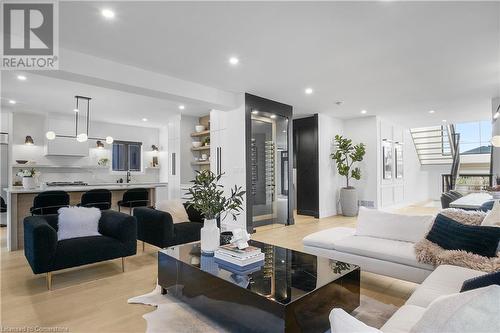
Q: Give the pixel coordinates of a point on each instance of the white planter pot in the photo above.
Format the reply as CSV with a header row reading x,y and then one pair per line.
x,y
210,236
349,201
29,183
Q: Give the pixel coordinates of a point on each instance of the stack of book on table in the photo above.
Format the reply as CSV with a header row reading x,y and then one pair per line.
x,y
231,257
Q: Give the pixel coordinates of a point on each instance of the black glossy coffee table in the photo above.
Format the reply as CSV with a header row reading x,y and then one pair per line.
x,y
292,292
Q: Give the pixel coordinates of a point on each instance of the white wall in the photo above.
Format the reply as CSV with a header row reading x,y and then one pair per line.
x,y
329,179
365,130
416,184
186,155
36,125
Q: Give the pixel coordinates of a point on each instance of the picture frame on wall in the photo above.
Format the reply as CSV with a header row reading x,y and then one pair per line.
x,y
387,159
398,155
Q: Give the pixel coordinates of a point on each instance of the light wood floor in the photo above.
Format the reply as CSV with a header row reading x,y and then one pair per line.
x,y
93,298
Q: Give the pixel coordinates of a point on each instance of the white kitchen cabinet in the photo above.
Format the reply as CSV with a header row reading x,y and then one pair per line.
x,y
66,147
218,120
227,151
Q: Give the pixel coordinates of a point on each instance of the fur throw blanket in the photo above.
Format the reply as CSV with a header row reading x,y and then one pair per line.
x,y
430,253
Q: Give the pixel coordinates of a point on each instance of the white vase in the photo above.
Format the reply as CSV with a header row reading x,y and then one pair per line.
x,y
210,236
29,183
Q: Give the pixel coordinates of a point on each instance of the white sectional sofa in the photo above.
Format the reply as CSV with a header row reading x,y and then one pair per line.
x,y
382,243
445,280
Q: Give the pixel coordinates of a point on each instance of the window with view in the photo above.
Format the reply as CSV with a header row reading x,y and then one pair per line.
x,y
127,156
475,137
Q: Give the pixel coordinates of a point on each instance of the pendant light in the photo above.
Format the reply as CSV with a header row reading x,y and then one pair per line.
x,y
81,135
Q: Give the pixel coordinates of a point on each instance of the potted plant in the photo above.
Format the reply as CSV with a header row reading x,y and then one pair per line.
x,y
345,156
28,178
207,196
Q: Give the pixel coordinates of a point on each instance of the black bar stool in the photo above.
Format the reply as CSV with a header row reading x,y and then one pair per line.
x,y
49,202
135,197
98,198
3,209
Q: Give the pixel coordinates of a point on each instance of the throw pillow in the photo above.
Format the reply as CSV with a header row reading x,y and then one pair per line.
x,y
481,281
76,222
452,235
468,312
493,216
175,209
374,223
463,216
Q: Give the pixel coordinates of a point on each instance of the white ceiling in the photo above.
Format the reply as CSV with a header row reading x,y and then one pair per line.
x,y
394,59
41,94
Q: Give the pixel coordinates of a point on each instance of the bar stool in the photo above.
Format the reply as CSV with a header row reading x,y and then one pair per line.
x,y
135,197
98,198
49,202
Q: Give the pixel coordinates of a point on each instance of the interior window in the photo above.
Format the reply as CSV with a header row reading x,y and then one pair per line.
x,y
127,156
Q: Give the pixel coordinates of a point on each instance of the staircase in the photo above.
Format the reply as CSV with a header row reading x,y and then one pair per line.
x,y
439,145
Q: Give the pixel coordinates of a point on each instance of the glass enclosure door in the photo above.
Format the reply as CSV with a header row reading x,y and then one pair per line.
x,y
269,169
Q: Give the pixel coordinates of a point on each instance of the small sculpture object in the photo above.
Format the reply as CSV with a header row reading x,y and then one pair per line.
x,y
240,238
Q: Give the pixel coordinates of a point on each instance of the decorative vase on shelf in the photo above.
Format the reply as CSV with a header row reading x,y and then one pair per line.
x,y
28,183
210,236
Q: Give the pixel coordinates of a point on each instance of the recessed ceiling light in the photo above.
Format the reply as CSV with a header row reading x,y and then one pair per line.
x,y
255,111
144,119
431,111
21,77
11,101
108,13
308,91
181,107
234,61
444,120
76,110
273,116
364,111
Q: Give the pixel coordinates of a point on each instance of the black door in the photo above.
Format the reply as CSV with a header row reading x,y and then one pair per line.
x,y
305,144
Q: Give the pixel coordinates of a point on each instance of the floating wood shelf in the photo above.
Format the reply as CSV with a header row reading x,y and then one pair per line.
x,y
202,133
201,163
201,148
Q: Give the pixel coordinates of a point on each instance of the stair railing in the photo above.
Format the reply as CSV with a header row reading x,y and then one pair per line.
x,y
450,180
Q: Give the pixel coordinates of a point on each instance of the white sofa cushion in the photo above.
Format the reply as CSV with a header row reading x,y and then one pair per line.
x,y
326,238
342,322
400,227
472,311
404,319
445,280
175,208
76,222
383,249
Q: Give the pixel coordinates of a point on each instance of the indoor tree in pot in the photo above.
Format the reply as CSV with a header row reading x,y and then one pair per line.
x,y
207,196
345,155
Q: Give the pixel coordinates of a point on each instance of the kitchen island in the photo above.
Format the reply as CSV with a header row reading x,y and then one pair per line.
x,y
20,200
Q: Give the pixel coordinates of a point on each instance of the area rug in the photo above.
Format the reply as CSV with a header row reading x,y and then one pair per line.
x,y
172,315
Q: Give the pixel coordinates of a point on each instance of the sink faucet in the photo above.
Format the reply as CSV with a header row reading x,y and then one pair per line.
x,y
129,177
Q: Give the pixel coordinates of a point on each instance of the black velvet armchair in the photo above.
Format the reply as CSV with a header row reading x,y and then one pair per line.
x,y
156,227
46,254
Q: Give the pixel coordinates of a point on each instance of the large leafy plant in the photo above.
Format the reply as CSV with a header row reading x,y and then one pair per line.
x,y
345,155
207,196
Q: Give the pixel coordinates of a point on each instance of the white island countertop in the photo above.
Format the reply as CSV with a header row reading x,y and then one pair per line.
x,y
471,201
83,188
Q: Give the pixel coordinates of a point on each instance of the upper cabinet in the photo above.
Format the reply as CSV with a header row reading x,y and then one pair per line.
x,y
218,120
66,147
